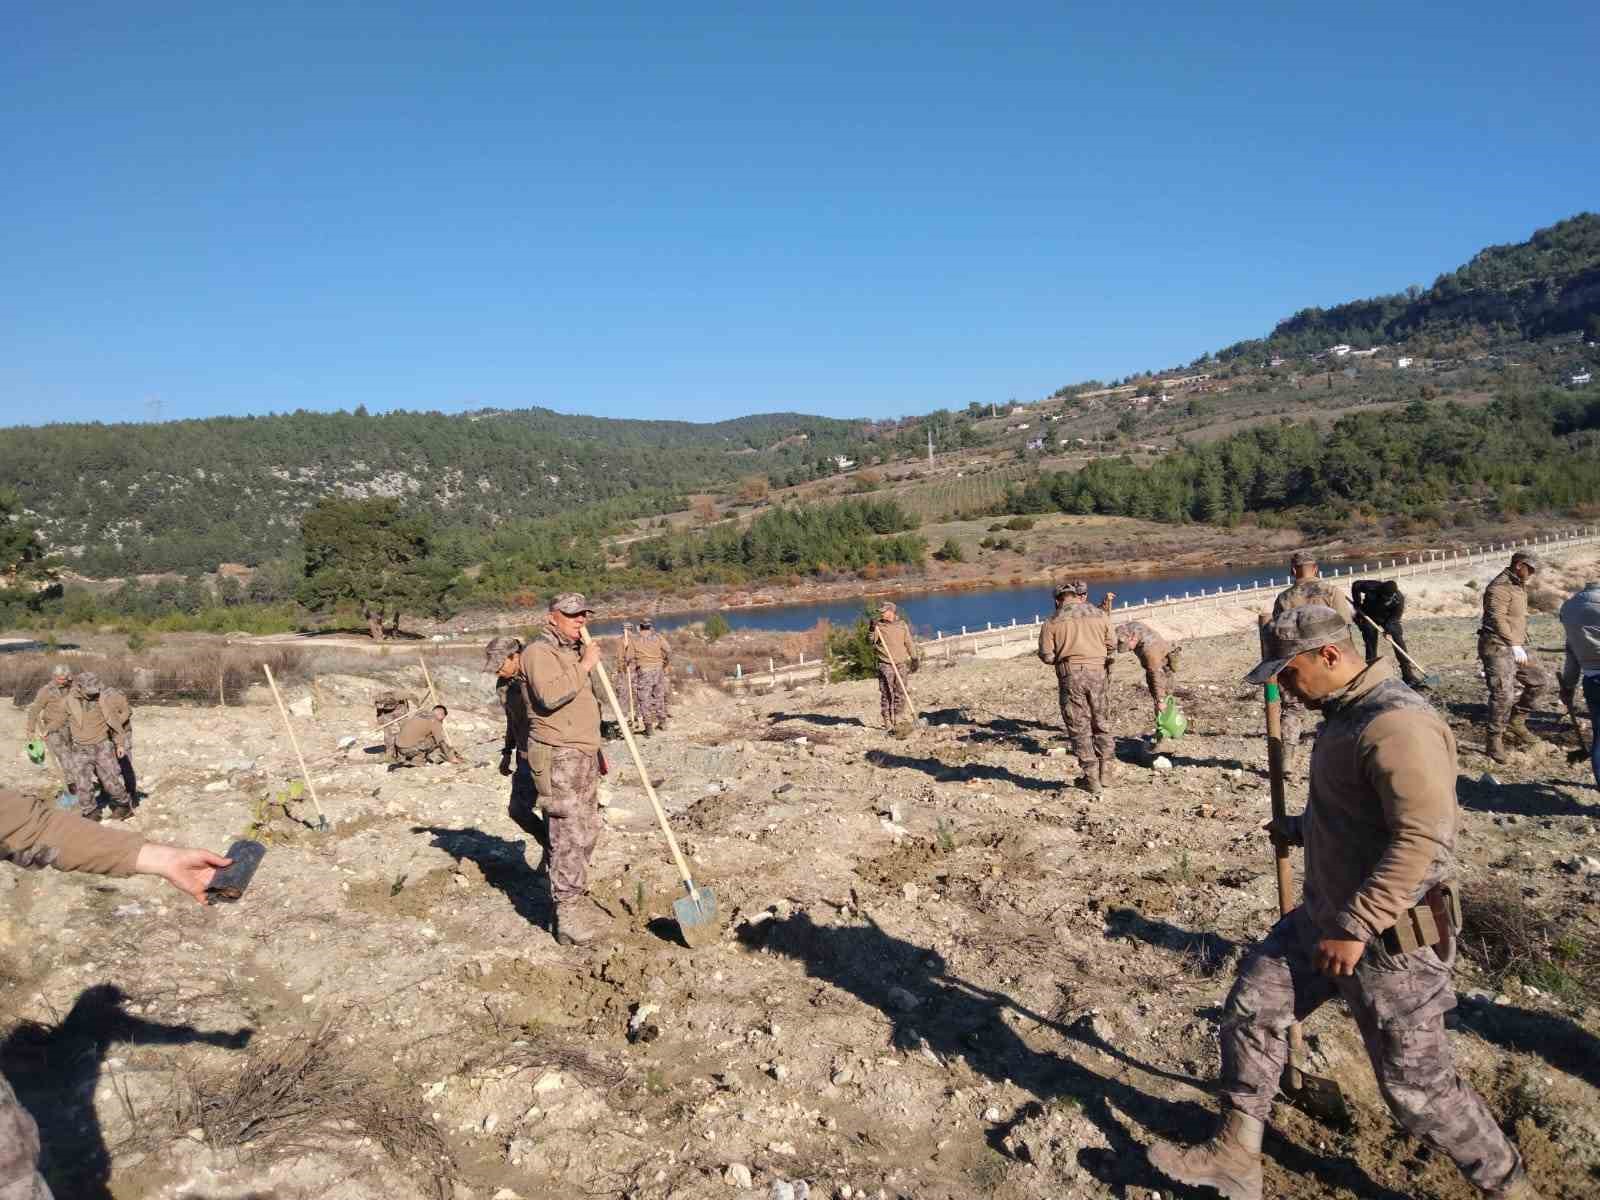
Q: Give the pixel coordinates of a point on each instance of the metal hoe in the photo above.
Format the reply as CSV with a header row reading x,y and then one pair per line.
x,y
696,912
1429,678
1320,1097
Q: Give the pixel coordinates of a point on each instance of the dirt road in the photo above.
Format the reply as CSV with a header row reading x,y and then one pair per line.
x,y
944,975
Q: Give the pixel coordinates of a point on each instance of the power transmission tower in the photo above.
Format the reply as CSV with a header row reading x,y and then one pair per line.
x,y
153,407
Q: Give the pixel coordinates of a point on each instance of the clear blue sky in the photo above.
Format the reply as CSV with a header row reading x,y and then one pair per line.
x,y
704,210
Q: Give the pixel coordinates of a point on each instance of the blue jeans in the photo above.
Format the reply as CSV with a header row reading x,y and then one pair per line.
x,y
1591,697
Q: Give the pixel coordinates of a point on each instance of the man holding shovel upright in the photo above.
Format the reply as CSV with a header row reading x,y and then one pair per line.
x,y
1376,924
1077,641
564,754
895,651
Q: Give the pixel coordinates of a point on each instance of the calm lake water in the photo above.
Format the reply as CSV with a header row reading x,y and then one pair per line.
x,y
949,611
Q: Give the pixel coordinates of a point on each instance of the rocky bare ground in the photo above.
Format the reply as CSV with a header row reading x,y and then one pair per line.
x,y
942,973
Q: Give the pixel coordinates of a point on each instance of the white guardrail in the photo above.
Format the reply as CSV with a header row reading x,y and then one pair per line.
x,y
967,642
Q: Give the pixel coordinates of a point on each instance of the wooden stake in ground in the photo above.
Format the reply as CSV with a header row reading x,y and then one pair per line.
x,y
433,696
899,679
1323,1098
311,788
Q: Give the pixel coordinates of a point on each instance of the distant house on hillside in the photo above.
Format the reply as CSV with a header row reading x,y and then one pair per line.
x,y
1364,353
1275,361
1339,351
1036,444
1017,410
841,462
1581,378
1403,362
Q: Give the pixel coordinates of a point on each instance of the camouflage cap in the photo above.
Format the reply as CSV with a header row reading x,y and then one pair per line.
x,y
1302,558
886,606
646,622
1528,557
1294,631
570,604
61,671
87,682
498,650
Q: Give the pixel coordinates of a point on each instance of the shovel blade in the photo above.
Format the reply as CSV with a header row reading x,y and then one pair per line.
x,y
1317,1097
697,914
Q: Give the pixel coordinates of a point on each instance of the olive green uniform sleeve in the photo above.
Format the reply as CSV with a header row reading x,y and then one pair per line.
x,y
37,830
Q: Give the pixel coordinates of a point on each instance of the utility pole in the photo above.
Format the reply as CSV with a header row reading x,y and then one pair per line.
x,y
930,447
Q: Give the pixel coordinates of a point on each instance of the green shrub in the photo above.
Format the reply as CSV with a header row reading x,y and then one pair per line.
x,y
950,552
717,627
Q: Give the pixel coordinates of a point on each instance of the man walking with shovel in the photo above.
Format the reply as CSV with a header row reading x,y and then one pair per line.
x,y
1077,641
1376,924
895,651
563,752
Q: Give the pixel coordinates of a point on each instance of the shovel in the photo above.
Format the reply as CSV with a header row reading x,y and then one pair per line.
x,y
899,679
1322,1098
322,825
696,912
1430,679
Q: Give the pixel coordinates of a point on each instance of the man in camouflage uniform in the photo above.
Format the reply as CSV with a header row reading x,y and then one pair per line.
x,y
503,658
1377,922
97,744
1515,679
563,752
647,657
120,713
1156,655
390,709
47,718
421,739
895,652
1077,641
35,834
1307,588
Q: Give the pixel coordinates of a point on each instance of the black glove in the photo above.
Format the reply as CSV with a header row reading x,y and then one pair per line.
x,y
505,761
1285,831
610,731
915,665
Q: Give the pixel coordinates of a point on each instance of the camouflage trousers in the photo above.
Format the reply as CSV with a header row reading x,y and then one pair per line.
x,y
568,785
19,1150
894,706
60,746
650,694
99,762
1512,688
429,751
1158,680
1399,1002
1082,692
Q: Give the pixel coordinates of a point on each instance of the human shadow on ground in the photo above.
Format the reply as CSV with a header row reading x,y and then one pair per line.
x,y
1564,1044
948,773
1210,952
55,1070
952,1018
815,719
504,864
1521,799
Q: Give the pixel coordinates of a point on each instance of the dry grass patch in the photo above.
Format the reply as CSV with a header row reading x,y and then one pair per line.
x,y
1511,938
309,1093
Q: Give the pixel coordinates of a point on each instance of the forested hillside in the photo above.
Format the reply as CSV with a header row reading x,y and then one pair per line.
x,y
187,495
1522,453
1548,284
